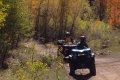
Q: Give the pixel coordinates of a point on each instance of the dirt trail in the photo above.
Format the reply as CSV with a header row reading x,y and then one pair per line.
x,y
108,68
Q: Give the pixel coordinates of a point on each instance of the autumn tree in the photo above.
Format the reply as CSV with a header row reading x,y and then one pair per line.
x,y
107,10
113,11
3,13
54,17
17,25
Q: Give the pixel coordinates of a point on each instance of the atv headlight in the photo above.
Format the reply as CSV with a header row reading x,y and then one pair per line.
x,y
70,56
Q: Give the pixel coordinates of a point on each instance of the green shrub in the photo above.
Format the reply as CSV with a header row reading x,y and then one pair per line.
x,y
98,33
47,60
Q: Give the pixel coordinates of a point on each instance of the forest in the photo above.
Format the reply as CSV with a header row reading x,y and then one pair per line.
x,y
26,25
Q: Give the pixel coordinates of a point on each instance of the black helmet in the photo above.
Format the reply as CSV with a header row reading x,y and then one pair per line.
x,y
82,38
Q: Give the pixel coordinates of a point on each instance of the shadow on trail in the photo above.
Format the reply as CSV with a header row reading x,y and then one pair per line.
x,y
82,77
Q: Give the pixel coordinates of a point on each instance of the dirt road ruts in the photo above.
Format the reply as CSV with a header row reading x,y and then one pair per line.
x,y
107,66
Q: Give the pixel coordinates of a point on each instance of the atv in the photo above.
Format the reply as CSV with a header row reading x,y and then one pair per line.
x,y
64,49
80,59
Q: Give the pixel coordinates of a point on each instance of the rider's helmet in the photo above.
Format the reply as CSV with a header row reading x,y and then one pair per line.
x,y
82,38
67,33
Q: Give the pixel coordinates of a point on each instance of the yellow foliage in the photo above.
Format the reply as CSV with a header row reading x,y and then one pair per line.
x,y
21,74
36,65
3,13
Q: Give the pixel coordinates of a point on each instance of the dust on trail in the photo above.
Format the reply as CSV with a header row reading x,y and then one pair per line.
x,y
107,66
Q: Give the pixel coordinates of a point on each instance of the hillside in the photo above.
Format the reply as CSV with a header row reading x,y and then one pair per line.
x,y
30,30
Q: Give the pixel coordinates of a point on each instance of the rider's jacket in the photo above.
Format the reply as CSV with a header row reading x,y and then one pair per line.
x,y
82,45
68,40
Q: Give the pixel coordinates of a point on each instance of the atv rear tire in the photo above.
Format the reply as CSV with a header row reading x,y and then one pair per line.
x,y
72,69
93,67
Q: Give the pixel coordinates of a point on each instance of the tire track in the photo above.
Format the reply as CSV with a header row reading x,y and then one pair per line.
x,y
108,68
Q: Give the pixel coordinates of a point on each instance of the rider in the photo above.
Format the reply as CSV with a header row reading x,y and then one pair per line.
x,y
68,38
82,43
67,41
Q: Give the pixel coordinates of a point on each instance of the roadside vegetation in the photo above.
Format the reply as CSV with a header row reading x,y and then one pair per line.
x,y
44,21
25,64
